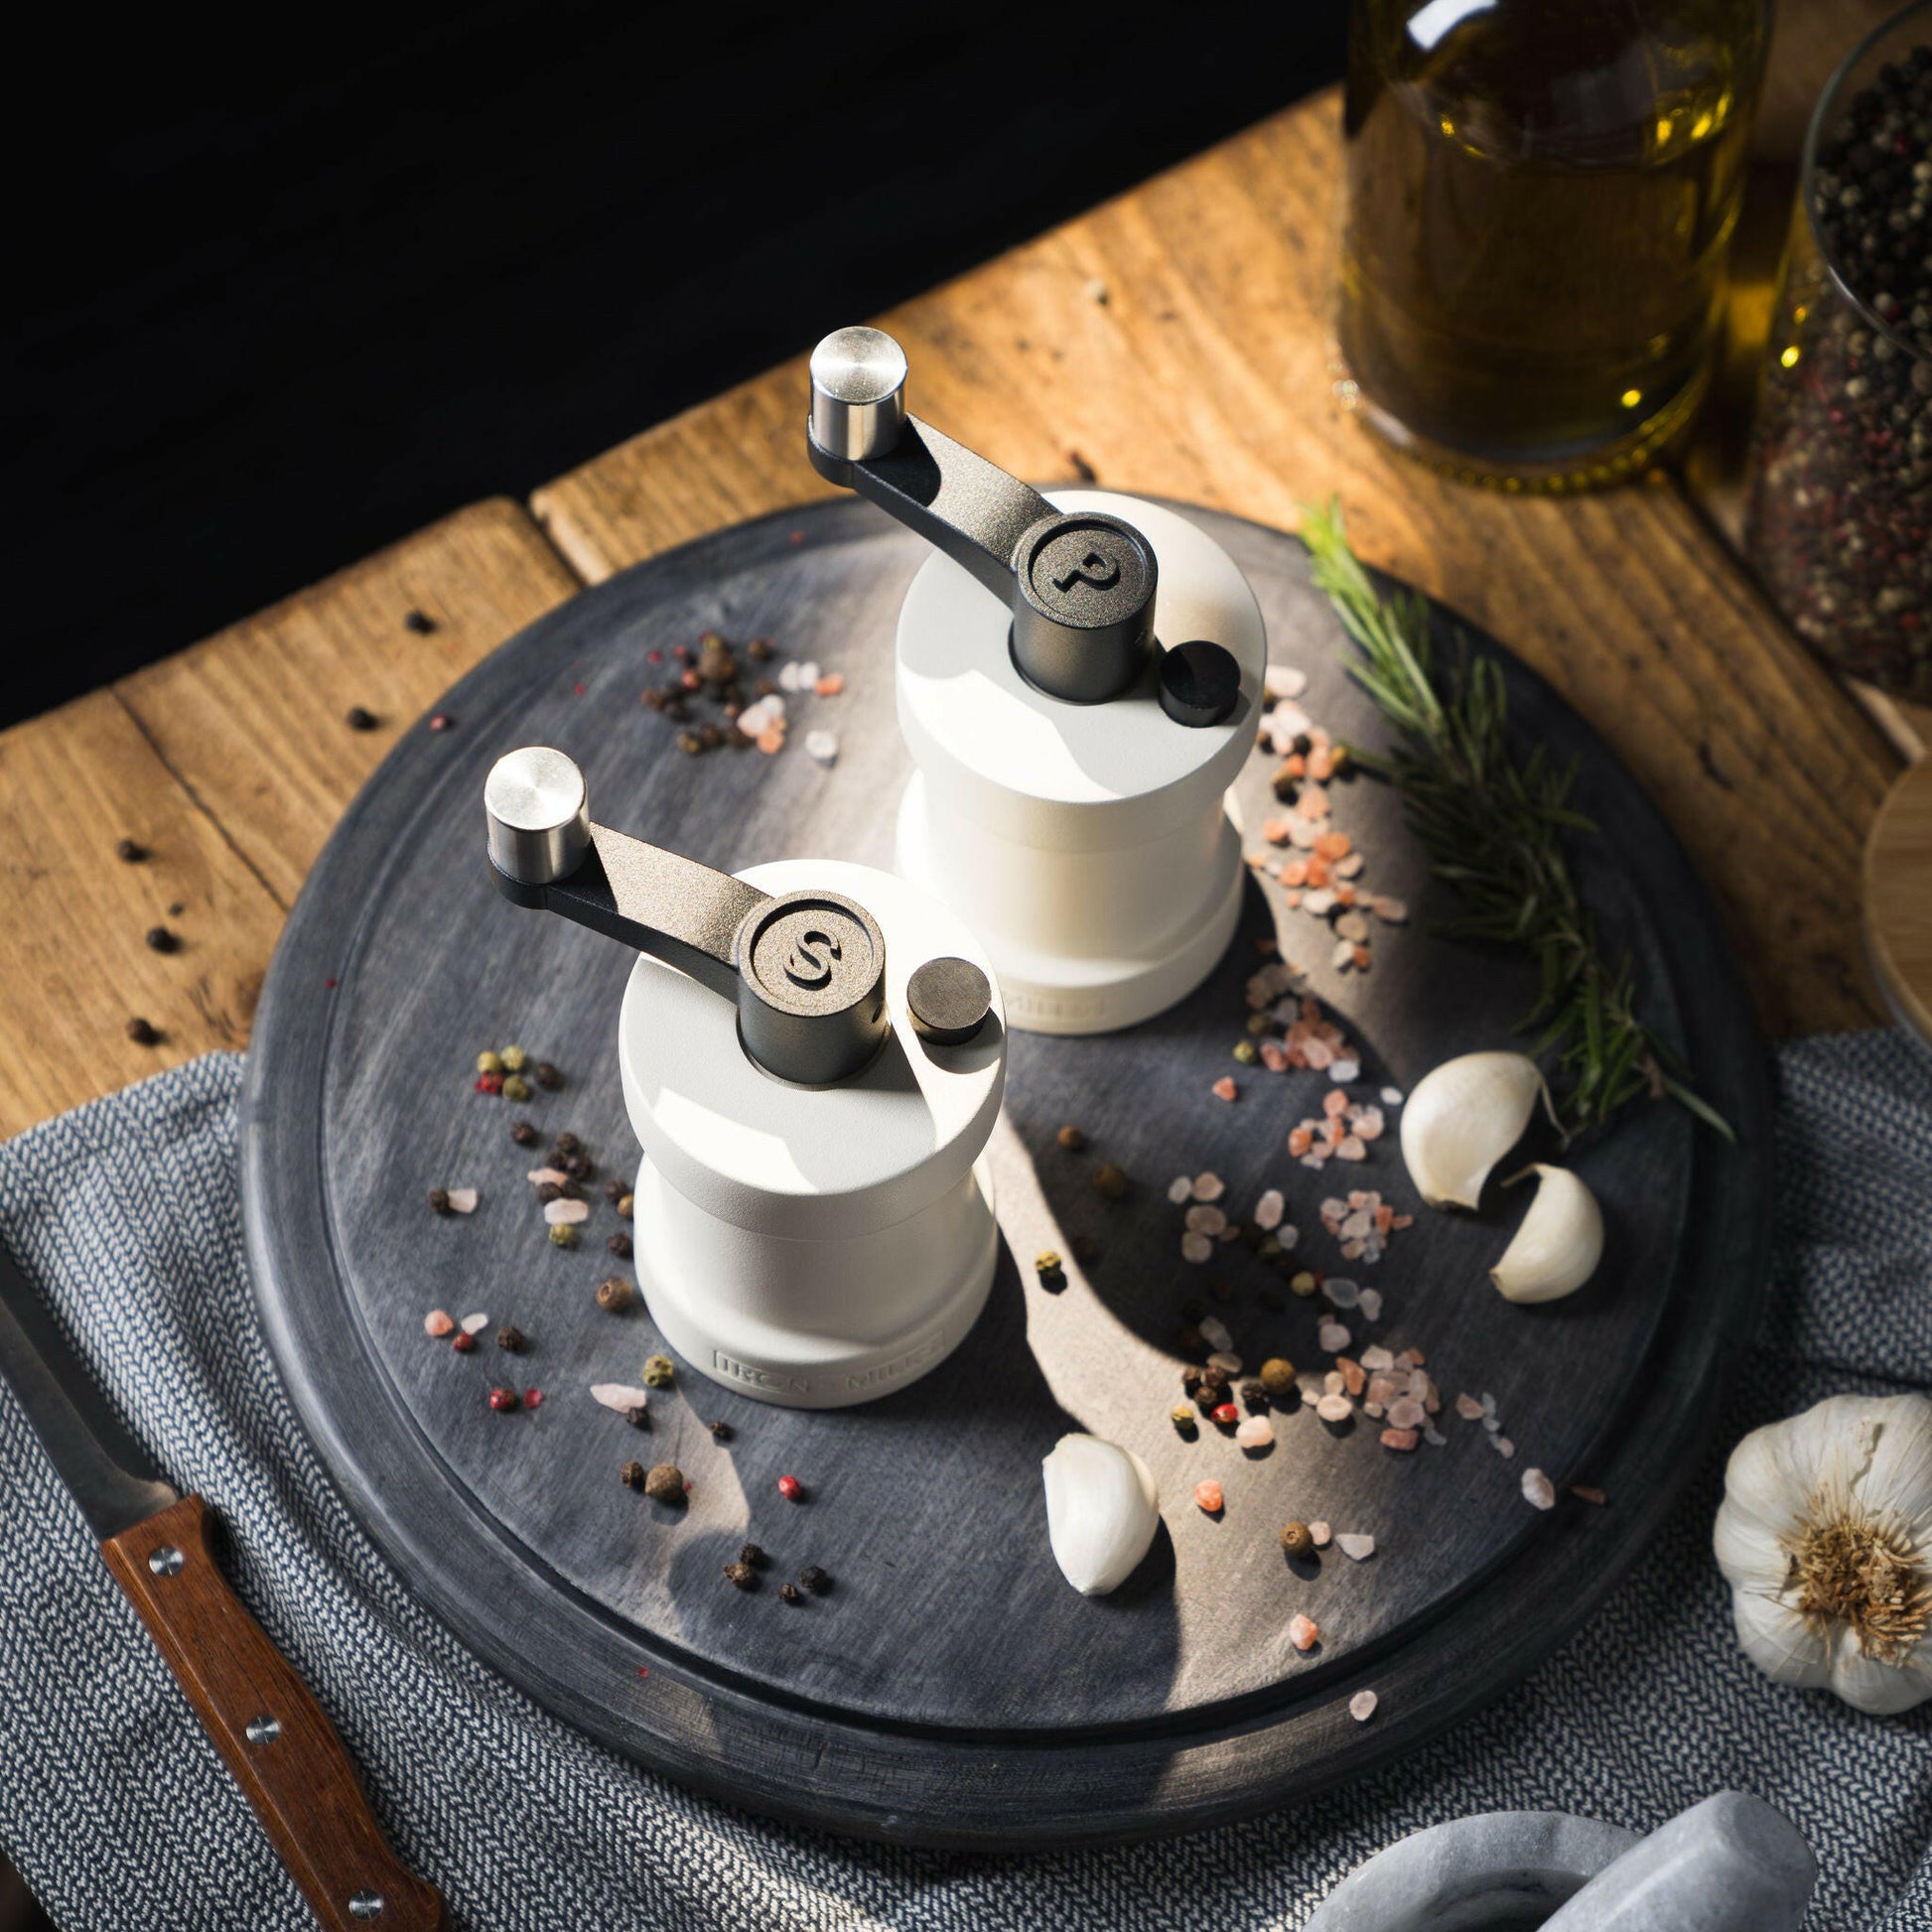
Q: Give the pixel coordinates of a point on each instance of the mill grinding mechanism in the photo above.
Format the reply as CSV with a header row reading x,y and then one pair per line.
x,y
813,1055
1080,680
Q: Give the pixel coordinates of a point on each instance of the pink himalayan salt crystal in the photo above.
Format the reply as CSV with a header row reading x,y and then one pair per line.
x,y
462,1201
1269,1211
1405,1411
1257,1433
1538,1489
566,1213
1358,1549
1335,1408
546,1176
1352,1378
1302,1631
1319,1535
1332,1337
1209,1186
1372,1305
1209,1495
1383,1388
1469,1408
1273,1056
1377,1358
1334,1102
1196,1247
474,1324
1204,1218
1350,1148
436,1323
1400,1438
1224,1089
1361,1706
1181,1188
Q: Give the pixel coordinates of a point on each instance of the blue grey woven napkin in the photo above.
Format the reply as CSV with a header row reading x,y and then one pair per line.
x,y
119,1814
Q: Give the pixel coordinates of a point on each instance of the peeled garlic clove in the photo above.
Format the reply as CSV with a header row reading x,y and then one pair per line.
x,y
1561,1241
1102,1509
1463,1118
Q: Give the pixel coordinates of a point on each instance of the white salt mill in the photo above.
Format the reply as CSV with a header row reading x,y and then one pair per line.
x,y
1079,680
813,1055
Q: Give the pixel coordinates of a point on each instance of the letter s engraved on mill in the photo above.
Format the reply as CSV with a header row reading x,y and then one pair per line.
x,y
804,968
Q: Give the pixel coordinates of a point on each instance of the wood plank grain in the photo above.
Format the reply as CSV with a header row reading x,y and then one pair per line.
x,y
1898,896
73,961
1176,342
254,720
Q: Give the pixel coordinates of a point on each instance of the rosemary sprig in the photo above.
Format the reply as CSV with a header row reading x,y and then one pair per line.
x,y
1495,827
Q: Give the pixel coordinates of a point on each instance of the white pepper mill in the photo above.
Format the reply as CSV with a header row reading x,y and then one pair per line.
x,y
1080,680
813,1075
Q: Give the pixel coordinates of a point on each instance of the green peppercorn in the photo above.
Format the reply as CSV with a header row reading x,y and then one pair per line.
x,y
514,1061
1259,1024
563,1237
1184,1421
1246,1053
660,1372
489,1063
627,1205
517,1088
1268,1247
665,1483
1303,1283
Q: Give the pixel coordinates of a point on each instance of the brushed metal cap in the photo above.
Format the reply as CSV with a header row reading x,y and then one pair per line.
x,y
540,813
858,393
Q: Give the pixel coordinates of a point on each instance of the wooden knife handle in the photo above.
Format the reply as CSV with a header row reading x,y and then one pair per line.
x,y
283,1753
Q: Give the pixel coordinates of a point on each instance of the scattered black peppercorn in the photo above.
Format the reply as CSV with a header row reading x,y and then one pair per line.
x,y
160,940
142,1032
632,1475
549,1190
1070,1138
130,850
758,650
524,1134
790,1594
439,1200
815,1579
509,1338
615,1190
359,720
566,1144
619,1245
1109,1181
1086,1250
614,1296
1255,1396
1190,1379
638,1418
722,1432
420,621
690,744
743,1575
579,1167
751,1554
548,1076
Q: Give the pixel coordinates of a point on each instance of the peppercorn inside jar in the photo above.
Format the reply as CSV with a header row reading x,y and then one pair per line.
x,y
1838,524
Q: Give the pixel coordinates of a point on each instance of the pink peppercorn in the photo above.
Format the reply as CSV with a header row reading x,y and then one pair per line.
x,y
791,1488
463,1343
490,1083
440,721
533,1398
1227,1415
502,1400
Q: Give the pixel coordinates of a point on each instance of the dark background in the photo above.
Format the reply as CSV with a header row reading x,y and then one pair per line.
x,y
293,285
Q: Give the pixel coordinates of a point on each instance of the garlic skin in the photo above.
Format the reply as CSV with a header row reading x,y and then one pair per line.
x,y
1102,1509
1825,1536
1557,1249
1462,1117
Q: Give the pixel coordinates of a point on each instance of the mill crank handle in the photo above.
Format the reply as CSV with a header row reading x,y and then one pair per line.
x,y
806,970
1080,584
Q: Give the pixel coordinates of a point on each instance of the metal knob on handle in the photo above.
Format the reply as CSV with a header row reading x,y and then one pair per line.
x,y
1080,584
806,970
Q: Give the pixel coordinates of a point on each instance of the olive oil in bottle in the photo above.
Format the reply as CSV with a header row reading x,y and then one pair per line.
x,y
1541,194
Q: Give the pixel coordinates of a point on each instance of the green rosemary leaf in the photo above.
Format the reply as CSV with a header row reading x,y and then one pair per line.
x,y
1493,826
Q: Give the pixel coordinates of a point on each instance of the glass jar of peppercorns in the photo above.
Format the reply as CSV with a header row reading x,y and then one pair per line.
x,y
1839,524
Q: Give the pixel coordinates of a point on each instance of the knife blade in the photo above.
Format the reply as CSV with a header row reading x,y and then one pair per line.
x,y
277,1743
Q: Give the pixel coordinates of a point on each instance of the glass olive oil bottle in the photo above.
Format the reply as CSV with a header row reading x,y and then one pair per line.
x,y
1540,194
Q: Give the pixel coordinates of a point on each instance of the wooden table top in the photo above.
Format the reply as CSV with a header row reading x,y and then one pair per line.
x,y
1172,341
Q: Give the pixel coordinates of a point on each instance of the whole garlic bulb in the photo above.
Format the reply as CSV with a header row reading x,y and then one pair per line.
x,y
1462,1117
1825,1536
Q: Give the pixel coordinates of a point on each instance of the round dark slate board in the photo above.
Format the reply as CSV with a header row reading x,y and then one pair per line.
x,y
952,1690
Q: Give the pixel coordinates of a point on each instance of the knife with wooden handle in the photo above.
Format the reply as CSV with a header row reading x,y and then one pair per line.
x,y
271,1734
